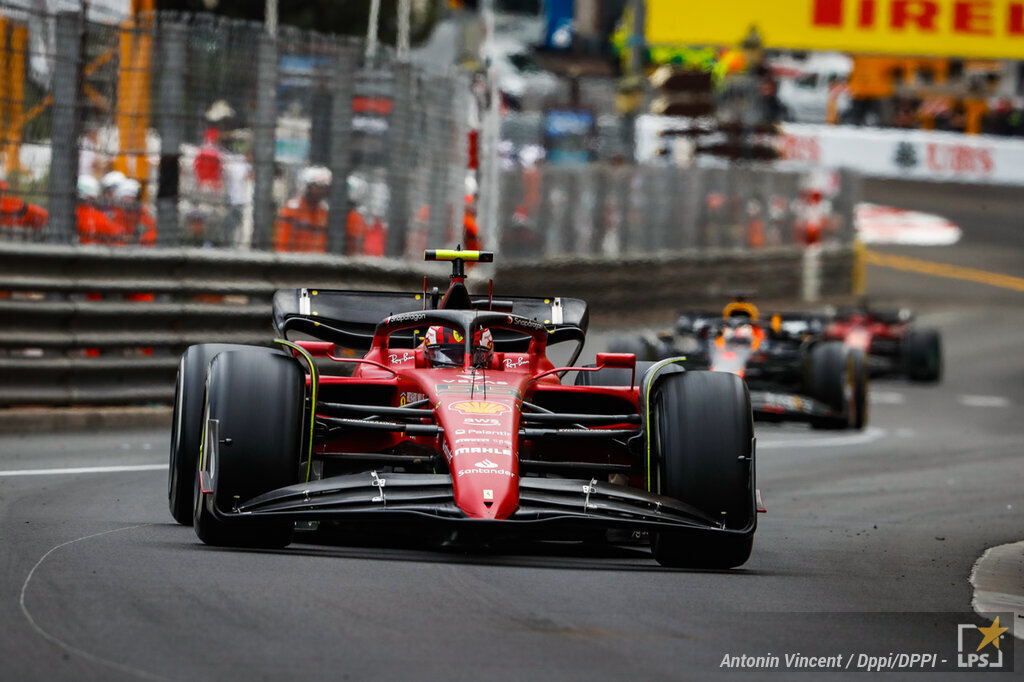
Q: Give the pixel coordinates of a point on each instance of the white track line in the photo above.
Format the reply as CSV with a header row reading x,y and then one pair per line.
x,y
886,398
64,645
983,400
83,470
868,435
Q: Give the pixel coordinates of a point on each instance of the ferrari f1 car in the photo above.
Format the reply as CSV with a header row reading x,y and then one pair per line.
x,y
453,414
893,344
793,372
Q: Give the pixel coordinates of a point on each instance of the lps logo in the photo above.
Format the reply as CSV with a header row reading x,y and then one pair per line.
x,y
970,656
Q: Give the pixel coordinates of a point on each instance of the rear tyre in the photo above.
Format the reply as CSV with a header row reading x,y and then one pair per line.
x,y
830,380
187,425
630,344
703,435
922,353
257,399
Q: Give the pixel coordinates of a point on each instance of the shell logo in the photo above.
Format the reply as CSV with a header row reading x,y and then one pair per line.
x,y
479,407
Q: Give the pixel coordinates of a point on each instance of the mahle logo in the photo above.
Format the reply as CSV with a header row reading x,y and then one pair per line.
x,y
982,656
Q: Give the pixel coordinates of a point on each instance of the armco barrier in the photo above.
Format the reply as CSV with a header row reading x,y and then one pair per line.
x,y
70,335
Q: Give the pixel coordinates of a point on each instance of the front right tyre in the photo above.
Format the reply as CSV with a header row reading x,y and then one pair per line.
x,y
187,424
702,434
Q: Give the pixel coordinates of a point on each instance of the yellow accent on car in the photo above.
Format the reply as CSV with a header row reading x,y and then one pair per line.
x,y
312,398
647,402
749,309
445,254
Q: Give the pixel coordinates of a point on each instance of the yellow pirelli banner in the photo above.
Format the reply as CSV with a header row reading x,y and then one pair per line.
x,y
947,28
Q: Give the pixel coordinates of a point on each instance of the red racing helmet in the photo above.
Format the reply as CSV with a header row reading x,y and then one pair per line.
x,y
445,347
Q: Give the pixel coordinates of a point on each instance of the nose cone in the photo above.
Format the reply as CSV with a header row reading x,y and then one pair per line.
x,y
480,437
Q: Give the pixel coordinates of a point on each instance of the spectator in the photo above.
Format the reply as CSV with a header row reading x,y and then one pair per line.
x,y
134,218
18,217
238,185
208,164
355,223
107,201
999,120
94,227
953,119
302,222
470,230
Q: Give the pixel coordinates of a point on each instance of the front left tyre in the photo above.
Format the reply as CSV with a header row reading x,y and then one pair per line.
x,y
257,400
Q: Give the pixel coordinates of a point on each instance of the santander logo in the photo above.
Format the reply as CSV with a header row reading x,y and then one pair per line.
x,y
486,464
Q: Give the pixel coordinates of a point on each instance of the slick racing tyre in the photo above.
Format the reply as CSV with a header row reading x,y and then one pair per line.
x,y
630,344
859,407
257,399
922,355
832,379
702,432
187,425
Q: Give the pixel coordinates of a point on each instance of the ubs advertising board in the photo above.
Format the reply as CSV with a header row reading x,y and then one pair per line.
x,y
939,28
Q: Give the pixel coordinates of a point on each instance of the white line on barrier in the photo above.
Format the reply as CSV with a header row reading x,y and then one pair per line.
x,y
868,435
83,470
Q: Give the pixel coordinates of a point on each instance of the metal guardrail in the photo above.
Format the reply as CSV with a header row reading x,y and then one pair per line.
x,y
70,333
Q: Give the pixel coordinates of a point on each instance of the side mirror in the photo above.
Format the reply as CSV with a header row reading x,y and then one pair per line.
x,y
619,361
616,360
317,348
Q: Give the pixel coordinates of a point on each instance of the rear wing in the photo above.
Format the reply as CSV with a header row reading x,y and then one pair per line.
x,y
349,318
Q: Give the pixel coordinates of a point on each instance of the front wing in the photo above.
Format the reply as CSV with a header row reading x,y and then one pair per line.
x,y
393,496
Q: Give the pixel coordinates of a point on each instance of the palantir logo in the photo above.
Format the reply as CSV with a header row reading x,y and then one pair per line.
x,y
486,464
969,656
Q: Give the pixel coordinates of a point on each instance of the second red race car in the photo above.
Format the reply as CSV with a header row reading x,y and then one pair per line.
x,y
893,343
454,416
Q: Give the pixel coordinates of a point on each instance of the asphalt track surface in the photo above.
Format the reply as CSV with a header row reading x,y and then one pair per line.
x,y
863,532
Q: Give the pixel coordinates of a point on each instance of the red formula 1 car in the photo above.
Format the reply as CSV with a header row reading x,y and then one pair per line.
x,y
455,416
893,344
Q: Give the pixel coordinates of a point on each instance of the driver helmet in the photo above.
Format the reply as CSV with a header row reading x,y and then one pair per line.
x,y
743,332
445,347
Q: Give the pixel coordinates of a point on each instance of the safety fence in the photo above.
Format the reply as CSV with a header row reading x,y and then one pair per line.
x,y
215,120
611,209
87,325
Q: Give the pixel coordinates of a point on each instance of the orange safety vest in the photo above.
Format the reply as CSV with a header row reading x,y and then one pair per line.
x,y
15,212
94,227
301,227
355,227
136,224
470,232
